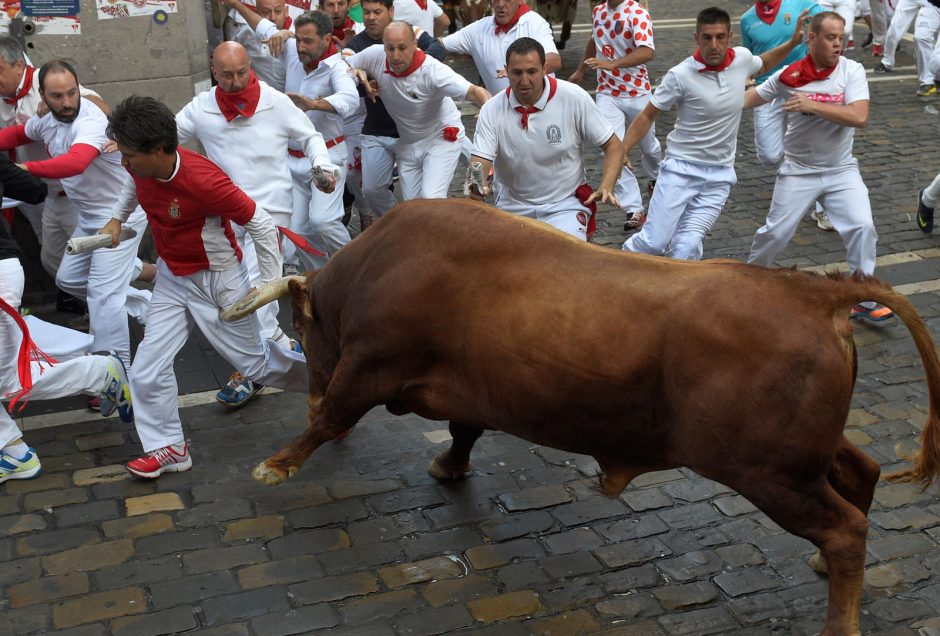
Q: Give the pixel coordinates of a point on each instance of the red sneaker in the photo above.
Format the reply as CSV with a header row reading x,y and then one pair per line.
x,y
169,459
878,50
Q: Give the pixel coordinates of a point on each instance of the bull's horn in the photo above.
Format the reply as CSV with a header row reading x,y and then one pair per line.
x,y
259,297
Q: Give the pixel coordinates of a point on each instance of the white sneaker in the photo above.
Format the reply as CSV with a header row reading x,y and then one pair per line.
x,y
822,220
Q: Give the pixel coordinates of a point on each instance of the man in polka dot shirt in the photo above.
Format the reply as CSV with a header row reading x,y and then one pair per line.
x,y
621,47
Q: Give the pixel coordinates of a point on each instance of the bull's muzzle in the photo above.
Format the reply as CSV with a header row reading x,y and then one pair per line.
x,y
257,298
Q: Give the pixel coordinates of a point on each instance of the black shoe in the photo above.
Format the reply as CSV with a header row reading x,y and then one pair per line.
x,y
924,215
68,304
868,40
881,68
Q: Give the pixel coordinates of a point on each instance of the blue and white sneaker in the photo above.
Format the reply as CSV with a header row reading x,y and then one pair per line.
x,y
116,393
238,391
24,468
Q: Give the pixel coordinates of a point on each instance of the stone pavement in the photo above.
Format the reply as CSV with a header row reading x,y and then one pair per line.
x,y
363,541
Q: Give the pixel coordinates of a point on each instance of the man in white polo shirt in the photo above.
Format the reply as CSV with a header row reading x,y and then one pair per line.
x,y
533,135
487,39
826,98
619,50
73,132
319,84
241,113
707,90
418,92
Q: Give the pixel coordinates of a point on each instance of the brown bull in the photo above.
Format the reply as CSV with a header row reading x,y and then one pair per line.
x,y
456,311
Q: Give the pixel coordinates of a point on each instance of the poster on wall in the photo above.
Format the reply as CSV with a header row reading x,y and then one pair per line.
x,y
51,17
156,9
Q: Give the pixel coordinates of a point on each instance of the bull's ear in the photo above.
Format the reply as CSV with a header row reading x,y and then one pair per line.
x,y
299,298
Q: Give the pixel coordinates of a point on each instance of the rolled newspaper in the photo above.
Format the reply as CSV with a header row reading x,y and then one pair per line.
x,y
321,175
82,244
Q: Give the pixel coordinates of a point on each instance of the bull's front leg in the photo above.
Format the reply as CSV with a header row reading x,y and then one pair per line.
x,y
454,463
283,464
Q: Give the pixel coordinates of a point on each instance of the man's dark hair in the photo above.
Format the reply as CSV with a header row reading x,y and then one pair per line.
x,y
388,4
712,15
55,66
322,21
524,46
143,124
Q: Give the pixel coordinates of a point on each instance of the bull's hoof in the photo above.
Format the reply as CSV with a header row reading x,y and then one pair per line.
x,y
439,472
271,476
818,563
613,483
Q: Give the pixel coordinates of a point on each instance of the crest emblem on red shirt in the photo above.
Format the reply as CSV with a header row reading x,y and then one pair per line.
x,y
174,210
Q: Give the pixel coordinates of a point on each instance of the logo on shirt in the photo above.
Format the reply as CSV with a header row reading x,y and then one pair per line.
x,y
607,51
553,134
786,18
174,210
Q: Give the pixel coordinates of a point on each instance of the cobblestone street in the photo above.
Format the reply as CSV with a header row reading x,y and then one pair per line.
x,y
363,541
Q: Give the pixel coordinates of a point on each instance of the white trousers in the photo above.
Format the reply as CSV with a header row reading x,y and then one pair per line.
x,y
926,29
845,198
904,15
318,216
354,172
378,162
770,125
931,195
102,279
686,203
568,215
84,374
179,302
426,167
620,112
846,9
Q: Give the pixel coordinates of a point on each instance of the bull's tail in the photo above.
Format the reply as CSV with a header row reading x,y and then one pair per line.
x,y
926,461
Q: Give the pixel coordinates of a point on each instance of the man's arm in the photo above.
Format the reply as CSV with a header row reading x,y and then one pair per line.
x,y
263,233
20,185
639,127
251,17
269,33
590,51
752,98
854,114
441,23
126,204
478,95
640,55
613,166
431,46
775,57
552,62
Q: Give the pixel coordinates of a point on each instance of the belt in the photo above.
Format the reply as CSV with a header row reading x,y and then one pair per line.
x,y
332,142
61,193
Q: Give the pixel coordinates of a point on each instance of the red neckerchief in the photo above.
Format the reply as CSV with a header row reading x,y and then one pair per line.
x,y
423,4
767,12
243,103
521,11
340,32
802,72
27,84
416,61
525,111
729,58
28,349
330,50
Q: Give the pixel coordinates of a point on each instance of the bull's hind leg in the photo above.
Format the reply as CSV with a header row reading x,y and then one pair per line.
x,y
454,463
837,527
854,476
340,408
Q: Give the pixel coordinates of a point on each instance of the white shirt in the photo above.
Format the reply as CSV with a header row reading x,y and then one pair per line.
x,y
488,50
618,32
813,141
410,12
543,163
420,103
330,80
252,151
95,191
708,108
268,68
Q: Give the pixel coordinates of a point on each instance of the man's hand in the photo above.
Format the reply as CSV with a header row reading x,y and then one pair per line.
x,y
578,75
597,63
800,103
501,73
276,42
801,23
348,34
302,102
42,108
603,195
22,166
114,229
